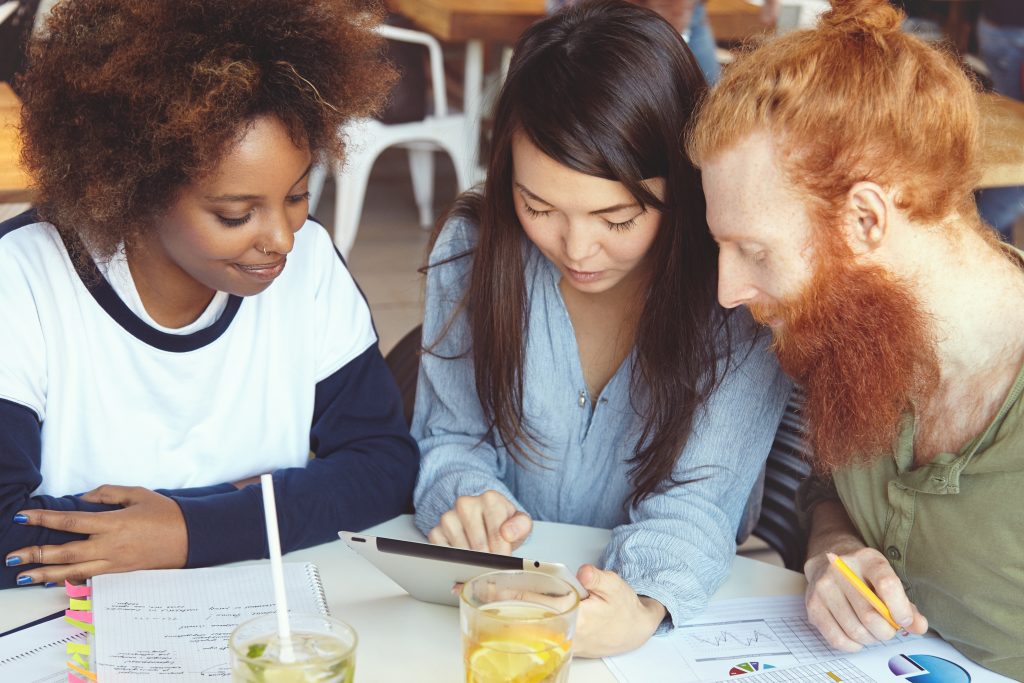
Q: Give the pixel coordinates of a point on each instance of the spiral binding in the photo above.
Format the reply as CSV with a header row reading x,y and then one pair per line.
x,y
318,588
47,646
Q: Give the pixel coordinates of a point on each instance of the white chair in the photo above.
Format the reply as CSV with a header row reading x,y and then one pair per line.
x,y
7,9
367,138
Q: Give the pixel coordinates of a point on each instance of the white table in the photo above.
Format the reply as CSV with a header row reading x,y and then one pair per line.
x,y
401,639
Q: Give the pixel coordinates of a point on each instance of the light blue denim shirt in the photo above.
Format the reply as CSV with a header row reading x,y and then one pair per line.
x,y
675,546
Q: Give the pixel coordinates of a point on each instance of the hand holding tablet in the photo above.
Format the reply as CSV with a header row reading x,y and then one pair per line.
x,y
428,572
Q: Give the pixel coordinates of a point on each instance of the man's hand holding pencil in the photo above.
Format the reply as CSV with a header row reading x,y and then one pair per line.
x,y
857,599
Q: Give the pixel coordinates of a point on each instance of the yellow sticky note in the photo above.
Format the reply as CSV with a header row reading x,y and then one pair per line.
x,y
80,624
81,605
78,648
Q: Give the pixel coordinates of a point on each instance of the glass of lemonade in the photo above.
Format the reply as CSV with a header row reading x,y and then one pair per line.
x,y
517,627
324,647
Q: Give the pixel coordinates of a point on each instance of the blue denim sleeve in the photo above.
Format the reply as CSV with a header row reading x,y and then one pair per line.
x,y
458,455
678,545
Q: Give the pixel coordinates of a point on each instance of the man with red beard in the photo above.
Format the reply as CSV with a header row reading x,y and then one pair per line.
x,y
839,165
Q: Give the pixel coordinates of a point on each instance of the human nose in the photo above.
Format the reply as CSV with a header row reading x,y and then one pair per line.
x,y
279,236
580,243
734,287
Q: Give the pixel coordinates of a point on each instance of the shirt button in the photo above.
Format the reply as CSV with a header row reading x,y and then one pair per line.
x,y
893,553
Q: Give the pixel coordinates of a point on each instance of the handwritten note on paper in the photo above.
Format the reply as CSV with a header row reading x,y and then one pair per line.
x,y
154,624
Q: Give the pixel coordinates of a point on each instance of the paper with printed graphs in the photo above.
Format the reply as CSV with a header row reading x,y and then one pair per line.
x,y
770,640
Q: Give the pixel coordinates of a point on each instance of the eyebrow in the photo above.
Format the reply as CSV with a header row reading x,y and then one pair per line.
x,y
248,197
608,209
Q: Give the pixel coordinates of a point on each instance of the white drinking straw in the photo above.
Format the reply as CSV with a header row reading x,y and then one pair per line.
x,y
284,630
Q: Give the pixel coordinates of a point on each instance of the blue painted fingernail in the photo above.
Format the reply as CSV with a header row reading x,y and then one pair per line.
x,y
24,580
20,519
13,561
50,584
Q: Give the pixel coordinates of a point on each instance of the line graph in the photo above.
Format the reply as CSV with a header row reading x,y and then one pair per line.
x,y
733,635
729,640
744,639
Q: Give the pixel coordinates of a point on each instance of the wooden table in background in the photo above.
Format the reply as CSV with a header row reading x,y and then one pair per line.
x,y
15,185
472,22
503,21
1002,141
734,21
500,21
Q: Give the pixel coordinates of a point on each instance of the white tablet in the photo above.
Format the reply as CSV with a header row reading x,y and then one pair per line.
x,y
428,572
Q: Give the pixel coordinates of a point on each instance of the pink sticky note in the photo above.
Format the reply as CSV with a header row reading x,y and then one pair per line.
x,y
72,678
79,616
82,591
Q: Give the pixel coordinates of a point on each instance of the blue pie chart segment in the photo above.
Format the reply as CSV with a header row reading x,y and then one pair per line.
x,y
928,669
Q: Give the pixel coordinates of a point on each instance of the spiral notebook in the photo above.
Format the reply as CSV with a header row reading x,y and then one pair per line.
x,y
36,653
173,624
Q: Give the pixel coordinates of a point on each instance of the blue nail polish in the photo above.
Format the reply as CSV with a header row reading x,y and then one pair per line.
x,y
24,580
50,584
13,561
20,519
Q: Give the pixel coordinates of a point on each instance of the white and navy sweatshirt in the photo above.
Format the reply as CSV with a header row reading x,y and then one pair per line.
x,y
93,392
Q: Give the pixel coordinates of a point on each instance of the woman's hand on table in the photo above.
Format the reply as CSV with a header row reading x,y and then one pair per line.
x,y
613,619
843,616
488,522
147,533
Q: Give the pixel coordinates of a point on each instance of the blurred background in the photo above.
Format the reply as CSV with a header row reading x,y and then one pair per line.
x,y
405,167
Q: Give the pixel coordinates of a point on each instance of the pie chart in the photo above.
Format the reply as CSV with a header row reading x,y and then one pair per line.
x,y
749,668
928,669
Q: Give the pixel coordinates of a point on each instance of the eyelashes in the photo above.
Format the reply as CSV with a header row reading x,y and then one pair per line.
x,y
232,222
623,226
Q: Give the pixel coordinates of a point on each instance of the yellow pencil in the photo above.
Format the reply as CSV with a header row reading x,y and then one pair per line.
x,y
862,588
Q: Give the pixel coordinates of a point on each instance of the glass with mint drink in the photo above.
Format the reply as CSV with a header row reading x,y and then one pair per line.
x,y
324,649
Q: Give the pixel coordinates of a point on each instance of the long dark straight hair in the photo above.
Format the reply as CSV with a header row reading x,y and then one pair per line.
x,y
605,88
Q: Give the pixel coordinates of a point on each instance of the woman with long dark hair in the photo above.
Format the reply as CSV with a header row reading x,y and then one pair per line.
x,y
577,367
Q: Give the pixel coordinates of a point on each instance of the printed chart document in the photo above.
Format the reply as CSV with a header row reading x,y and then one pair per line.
x,y
770,640
38,654
173,624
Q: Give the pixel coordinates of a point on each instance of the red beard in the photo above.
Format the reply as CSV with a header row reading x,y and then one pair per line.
x,y
859,343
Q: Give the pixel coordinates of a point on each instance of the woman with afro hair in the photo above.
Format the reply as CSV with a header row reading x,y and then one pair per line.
x,y
174,323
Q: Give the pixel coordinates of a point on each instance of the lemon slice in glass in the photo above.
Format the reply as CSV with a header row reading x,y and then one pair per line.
x,y
515,661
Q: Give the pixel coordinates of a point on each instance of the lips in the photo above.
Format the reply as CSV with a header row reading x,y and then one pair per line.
x,y
263,271
584,276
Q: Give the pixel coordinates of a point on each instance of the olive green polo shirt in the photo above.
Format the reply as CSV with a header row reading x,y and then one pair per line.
x,y
953,530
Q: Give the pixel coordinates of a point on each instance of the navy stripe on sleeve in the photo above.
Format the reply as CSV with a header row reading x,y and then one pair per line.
x,y
20,448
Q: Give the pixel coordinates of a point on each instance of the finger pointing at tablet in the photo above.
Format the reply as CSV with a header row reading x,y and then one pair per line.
x,y
488,522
